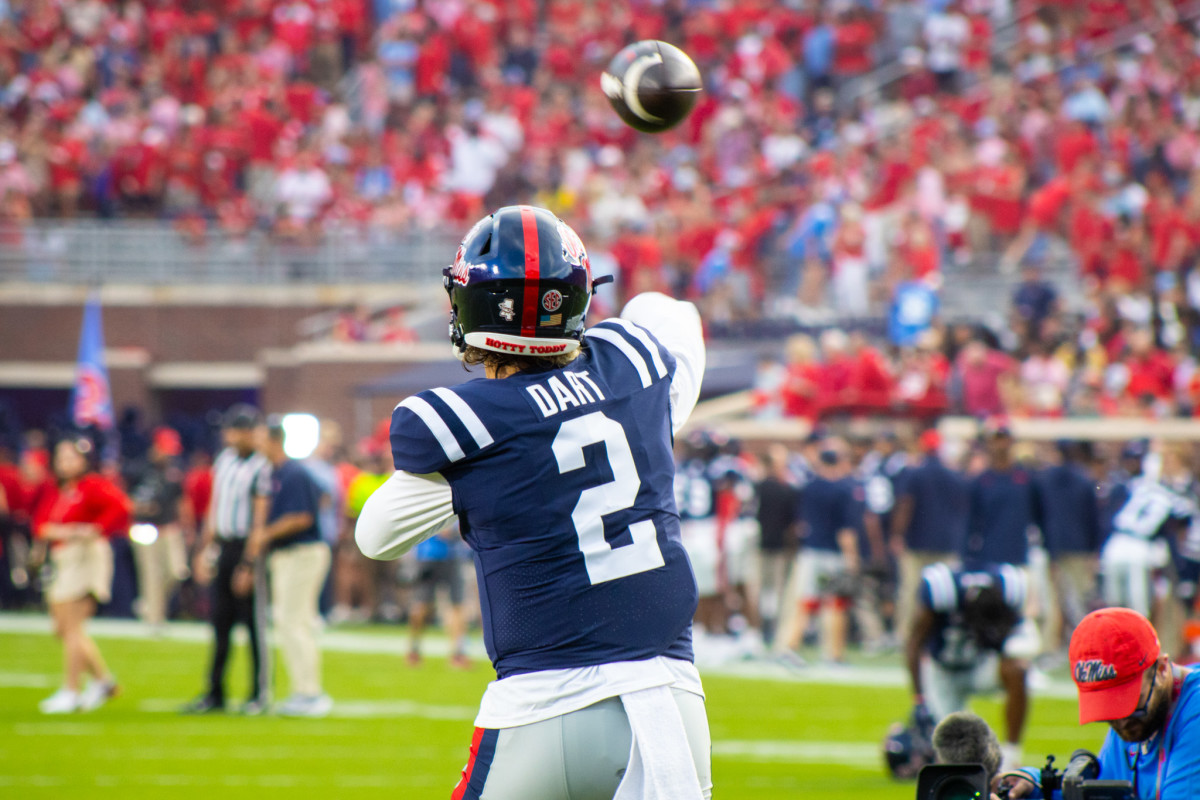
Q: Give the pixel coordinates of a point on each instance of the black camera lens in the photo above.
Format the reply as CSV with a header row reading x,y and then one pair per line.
x,y
957,788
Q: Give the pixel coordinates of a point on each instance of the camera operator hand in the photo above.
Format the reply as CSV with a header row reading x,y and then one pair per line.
x,y
1012,785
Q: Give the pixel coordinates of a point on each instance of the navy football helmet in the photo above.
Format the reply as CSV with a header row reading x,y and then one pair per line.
x,y
520,284
905,751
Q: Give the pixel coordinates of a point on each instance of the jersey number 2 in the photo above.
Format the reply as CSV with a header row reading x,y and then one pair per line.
x,y
603,561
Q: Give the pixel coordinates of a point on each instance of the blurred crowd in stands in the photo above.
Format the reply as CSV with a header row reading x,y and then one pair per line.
x,y
843,153
840,147
1127,355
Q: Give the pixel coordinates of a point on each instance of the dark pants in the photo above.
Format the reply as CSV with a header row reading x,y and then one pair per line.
x,y
228,610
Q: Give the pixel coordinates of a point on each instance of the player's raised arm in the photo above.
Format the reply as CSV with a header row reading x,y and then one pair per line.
x,y
405,511
676,326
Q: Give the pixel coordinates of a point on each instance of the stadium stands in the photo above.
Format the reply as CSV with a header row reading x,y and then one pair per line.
x,y
842,150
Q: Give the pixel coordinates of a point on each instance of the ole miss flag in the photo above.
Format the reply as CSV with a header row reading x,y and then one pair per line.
x,y
91,402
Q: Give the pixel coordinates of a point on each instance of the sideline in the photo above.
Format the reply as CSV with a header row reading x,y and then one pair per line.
x,y
713,658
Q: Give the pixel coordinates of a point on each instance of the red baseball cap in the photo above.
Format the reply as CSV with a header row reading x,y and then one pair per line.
x,y
167,441
930,441
1110,651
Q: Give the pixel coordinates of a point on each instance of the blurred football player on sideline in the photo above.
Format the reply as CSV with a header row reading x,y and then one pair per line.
x,y
156,488
559,465
828,564
967,637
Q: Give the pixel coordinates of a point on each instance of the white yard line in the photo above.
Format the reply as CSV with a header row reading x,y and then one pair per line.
x,y
264,781
853,754
22,680
710,662
355,709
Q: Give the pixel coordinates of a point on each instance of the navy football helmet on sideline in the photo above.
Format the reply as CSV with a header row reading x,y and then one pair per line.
x,y
907,748
520,283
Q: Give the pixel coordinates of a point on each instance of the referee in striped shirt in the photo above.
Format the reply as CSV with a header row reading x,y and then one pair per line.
x,y
240,499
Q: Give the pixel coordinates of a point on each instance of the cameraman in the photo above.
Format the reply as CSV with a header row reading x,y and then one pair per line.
x,y
1151,704
966,631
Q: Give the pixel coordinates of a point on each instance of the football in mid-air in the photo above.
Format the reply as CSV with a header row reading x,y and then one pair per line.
x,y
652,85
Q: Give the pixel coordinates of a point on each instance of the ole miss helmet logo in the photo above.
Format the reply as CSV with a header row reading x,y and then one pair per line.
x,y
572,247
460,272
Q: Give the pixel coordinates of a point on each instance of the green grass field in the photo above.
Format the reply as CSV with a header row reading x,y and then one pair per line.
x,y
403,732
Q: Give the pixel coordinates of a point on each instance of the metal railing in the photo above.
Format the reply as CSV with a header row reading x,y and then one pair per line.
x,y
57,251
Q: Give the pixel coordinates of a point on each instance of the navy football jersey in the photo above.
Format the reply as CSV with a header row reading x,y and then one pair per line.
x,y
695,492
942,591
827,507
563,484
1143,507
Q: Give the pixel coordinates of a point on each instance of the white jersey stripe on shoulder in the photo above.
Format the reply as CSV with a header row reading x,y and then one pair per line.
x,y
469,418
1014,585
437,426
941,582
929,575
640,334
628,350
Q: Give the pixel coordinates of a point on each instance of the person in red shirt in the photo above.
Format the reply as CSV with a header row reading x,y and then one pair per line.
x,y
835,371
12,506
984,374
853,39
869,389
801,390
1151,371
920,386
77,520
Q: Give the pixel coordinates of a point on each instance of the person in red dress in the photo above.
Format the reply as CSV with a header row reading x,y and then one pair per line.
x,y
77,519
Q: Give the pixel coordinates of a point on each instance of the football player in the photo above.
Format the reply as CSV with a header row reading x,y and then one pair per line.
x,y
1145,514
967,632
827,566
559,466
697,490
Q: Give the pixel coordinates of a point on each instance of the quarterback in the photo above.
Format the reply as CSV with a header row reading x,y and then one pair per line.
x,y
558,464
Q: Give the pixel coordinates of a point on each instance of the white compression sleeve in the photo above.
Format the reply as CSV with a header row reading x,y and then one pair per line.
x,y
405,511
676,324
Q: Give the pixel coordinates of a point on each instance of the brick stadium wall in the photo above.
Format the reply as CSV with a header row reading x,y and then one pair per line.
x,y
259,340
167,333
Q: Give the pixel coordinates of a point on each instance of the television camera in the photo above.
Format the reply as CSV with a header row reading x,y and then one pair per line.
x,y
1078,781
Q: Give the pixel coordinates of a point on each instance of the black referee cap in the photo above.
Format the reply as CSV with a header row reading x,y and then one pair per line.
x,y
242,416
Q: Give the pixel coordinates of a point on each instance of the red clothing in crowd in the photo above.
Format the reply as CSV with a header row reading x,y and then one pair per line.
x,y
802,391
981,383
1152,374
834,380
921,387
12,490
870,383
93,499
198,487
852,42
